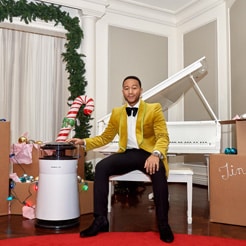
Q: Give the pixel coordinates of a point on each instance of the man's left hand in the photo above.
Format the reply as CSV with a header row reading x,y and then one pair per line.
x,y
152,164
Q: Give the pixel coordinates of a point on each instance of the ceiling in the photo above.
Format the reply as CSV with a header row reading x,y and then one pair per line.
x,y
172,6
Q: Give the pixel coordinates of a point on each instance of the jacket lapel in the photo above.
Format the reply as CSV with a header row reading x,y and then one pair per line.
x,y
123,130
139,123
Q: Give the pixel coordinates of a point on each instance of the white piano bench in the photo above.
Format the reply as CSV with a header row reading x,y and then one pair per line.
x,y
179,175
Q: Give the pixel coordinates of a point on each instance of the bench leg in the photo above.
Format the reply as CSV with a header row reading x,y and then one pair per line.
x,y
109,195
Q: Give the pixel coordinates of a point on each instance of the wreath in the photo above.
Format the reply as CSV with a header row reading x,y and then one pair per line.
x,y
30,11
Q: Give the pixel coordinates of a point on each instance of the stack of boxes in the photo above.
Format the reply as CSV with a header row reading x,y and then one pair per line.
x,y
26,192
228,181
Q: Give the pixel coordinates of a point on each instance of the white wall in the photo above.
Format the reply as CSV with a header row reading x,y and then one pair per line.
x,y
135,53
106,27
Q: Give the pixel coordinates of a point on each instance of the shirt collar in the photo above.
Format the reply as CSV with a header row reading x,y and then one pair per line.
x,y
135,106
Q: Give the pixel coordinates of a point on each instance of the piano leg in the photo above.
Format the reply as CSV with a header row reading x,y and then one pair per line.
x,y
189,200
208,174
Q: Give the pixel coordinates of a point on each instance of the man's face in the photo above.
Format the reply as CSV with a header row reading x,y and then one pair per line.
x,y
131,91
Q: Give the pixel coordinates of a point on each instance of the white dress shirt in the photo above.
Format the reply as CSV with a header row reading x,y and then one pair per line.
x,y
131,129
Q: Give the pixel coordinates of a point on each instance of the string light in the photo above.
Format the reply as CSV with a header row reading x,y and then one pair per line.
x,y
28,204
11,184
36,186
10,198
84,184
13,194
25,178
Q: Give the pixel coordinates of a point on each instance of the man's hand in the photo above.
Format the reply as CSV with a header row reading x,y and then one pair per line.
x,y
76,141
152,164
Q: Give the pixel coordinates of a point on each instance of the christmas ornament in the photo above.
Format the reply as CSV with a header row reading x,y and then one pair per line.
x,y
230,151
39,142
22,139
84,185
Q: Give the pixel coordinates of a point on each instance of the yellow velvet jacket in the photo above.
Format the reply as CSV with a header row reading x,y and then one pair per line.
x,y
151,130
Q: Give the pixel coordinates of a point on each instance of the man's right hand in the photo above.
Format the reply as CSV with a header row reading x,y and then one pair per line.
x,y
76,141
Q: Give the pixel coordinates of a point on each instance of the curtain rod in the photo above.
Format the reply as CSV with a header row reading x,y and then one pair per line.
x,y
32,29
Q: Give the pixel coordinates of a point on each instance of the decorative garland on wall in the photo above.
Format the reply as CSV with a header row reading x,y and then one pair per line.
x,y
75,66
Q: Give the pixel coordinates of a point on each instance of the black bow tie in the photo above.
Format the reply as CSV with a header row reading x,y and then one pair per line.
x,y
131,111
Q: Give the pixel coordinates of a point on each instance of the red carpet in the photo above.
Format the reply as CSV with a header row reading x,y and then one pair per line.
x,y
121,239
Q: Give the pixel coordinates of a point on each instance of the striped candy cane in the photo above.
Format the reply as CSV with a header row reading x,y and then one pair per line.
x,y
69,121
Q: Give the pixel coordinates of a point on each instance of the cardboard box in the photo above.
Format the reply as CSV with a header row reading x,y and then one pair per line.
x,y
4,166
24,193
86,198
240,134
228,189
81,162
31,169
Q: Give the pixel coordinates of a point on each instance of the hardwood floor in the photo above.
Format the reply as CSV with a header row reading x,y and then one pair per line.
x,y
134,212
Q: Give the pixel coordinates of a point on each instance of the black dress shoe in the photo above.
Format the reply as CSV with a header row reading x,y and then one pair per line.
x,y
166,234
100,224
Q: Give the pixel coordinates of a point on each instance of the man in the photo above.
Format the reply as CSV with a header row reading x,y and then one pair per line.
x,y
143,144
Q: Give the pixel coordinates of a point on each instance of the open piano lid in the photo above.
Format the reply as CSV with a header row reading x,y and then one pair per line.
x,y
170,90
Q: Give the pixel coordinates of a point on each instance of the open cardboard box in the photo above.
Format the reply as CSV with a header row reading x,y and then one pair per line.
x,y
240,134
227,180
228,189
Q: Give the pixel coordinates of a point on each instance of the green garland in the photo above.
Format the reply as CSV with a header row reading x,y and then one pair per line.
x,y
75,66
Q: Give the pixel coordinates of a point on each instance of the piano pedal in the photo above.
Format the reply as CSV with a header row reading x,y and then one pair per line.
x,y
151,196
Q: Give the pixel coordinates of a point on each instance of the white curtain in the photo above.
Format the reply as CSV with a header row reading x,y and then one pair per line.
x,y
33,84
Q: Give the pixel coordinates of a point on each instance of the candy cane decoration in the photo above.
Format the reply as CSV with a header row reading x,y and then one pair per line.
x,y
69,121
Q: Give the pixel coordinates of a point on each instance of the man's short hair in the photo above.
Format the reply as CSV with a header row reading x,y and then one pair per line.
x,y
133,77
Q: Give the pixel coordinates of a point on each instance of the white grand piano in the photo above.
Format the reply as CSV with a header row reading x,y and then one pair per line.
x,y
186,137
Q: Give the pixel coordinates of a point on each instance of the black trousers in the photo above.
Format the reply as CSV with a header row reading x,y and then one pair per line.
x,y
120,163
